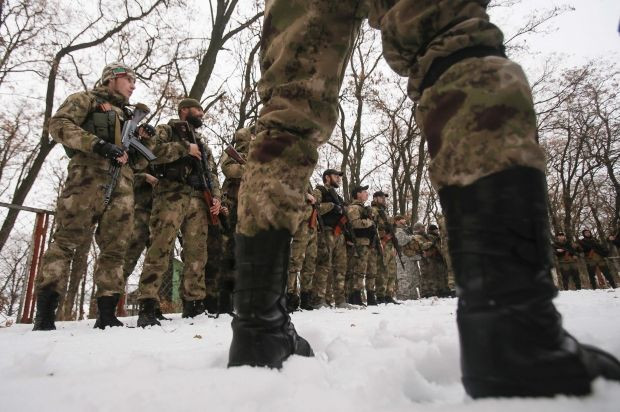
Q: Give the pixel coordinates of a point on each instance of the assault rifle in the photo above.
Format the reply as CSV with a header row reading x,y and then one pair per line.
x,y
392,233
378,244
316,214
234,155
345,223
204,173
129,140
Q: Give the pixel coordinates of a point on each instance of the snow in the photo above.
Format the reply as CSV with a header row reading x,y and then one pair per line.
x,y
388,358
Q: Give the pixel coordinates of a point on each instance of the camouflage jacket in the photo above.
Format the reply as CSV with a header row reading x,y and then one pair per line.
x,y
65,127
171,148
232,170
362,221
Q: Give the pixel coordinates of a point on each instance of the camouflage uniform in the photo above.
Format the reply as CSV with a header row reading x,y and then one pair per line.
x,y
177,206
595,255
386,266
82,200
143,200
230,189
364,228
331,256
434,268
304,251
477,117
566,257
406,276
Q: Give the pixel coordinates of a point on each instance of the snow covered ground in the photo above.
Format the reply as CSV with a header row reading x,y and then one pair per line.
x,y
389,358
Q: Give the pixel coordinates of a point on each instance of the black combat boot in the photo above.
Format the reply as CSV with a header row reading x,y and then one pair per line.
x,y
106,312
292,302
225,304
210,304
305,301
390,299
159,314
511,335
47,302
263,334
356,298
192,308
146,313
371,298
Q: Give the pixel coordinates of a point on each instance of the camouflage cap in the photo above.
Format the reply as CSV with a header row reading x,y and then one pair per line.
x,y
116,70
432,227
189,102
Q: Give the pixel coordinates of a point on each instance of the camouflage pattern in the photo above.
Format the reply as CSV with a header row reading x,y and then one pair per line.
x,y
177,207
433,267
408,277
386,265
594,254
328,283
143,200
302,264
215,249
230,190
478,118
80,204
567,263
362,219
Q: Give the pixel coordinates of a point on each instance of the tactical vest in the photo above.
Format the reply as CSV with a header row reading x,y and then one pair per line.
x,y
180,169
332,217
367,232
100,123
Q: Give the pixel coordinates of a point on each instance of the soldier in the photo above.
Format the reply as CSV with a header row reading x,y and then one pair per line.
x,y
566,255
143,202
475,110
331,249
434,268
362,221
178,204
302,265
88,124
595,255
408,277
232,170
386,265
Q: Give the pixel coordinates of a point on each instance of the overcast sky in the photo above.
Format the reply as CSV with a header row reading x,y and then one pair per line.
x,y
589,32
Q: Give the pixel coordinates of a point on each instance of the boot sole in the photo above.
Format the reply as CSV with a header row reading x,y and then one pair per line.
x,y
488,388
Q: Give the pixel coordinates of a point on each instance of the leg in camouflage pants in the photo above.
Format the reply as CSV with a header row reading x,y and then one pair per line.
x,y
386,276
173,212
303,259
80,204
330,270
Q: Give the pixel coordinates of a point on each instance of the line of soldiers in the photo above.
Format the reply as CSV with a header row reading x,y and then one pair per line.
x,y
342,255
594,254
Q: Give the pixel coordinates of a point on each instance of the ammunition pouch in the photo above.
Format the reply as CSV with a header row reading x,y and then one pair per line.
x,y
101,124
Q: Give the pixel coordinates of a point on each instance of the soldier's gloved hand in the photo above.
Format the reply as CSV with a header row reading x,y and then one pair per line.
x,y
145,131
108,150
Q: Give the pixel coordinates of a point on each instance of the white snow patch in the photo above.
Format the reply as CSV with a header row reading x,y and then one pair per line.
x,y
386,358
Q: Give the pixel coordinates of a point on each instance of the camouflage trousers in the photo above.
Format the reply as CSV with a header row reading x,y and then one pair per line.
x,y
215,249
408,278
303,259
600,264
79,205
139,240
173,211
477,117
360,265
328,284
386,272
567,271
434,277
227,261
